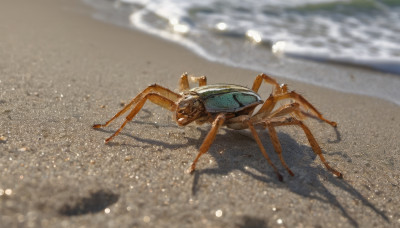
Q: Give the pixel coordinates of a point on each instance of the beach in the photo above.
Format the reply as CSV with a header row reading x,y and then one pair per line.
x,y
61,71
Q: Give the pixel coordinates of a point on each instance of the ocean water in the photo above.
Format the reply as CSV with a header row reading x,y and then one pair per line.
x,y
266,35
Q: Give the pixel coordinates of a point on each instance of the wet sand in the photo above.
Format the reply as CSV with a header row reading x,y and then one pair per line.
x,y
62,71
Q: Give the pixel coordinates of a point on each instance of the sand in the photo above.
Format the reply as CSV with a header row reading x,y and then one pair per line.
x,y
62,71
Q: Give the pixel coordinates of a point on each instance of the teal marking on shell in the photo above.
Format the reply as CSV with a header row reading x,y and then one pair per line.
x,y
227,98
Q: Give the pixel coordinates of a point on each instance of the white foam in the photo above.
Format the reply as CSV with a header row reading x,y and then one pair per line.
x,y
365,39
136,20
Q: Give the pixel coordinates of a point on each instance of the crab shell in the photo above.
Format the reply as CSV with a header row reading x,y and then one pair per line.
x,y
227,98
199,102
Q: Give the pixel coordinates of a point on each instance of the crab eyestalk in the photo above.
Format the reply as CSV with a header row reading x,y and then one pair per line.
x,y
189,109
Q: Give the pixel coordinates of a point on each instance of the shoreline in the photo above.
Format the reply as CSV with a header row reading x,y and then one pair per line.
x,y
63,71
353,78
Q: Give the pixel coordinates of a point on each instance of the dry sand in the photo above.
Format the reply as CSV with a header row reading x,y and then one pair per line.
x,y
62,71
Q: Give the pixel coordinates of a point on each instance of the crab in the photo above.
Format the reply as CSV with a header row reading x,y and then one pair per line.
x,y
232,106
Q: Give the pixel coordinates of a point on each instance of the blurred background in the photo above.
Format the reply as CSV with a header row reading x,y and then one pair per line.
x,y
268,35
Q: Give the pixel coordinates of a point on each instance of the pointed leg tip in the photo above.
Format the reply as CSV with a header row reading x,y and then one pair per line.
x,y
190,171
96,126
336,173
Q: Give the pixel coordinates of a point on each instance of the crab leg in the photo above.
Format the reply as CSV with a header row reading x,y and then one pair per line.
x,y
283,110
153,97
257,138
263,77
277,147
150,89
184,82
310,137
240,122
270,103
202,80
217,123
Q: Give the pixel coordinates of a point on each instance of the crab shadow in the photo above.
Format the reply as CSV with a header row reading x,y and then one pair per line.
x,y
243,152
148,141
307,180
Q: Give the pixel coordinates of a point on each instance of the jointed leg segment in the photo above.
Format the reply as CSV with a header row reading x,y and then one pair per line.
x,y
314,145
278,89
153,97
217,123
184,83
151,89
270,103
202,80
280,92
274,119
277,147
257,138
